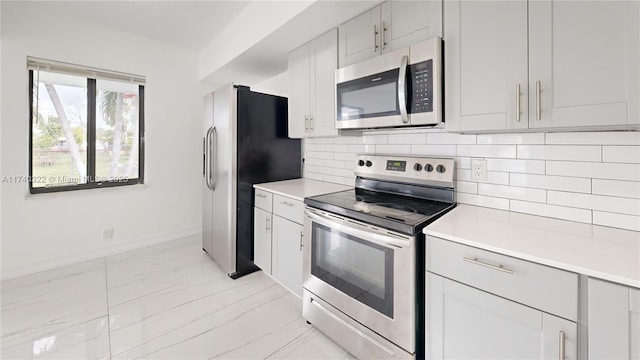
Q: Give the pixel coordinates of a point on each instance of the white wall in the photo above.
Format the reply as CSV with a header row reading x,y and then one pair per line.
x,y
591,177
276,85
45,231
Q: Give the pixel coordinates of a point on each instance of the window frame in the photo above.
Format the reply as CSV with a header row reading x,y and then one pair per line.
x,y
91,138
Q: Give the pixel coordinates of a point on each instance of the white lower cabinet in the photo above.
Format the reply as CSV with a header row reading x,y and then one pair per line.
x,y
484,305
262,223
277,238
614,321
467,323
287,253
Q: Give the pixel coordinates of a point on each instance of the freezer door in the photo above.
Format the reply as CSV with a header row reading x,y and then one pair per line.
x,y
207,193
223,166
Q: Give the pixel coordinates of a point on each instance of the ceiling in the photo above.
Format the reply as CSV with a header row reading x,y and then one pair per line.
x,y
194,24
268,57
185,23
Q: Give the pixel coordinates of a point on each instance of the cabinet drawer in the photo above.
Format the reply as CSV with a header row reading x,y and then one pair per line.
x,y
263,200
288,208
542,287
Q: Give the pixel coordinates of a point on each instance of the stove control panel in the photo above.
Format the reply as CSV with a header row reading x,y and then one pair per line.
x,y
408,169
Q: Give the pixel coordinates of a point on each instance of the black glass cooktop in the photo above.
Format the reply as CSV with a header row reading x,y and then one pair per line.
x,y
395,212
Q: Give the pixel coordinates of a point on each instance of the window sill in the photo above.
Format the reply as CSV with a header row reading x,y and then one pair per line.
x,y
83,192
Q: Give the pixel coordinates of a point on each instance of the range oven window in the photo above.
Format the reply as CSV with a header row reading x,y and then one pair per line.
x,y
371,96
358,268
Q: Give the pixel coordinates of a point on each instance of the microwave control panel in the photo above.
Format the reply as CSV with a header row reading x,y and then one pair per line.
x,y
421,80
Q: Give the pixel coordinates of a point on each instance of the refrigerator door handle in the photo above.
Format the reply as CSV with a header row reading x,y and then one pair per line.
x,y
204,157
207,162
213,162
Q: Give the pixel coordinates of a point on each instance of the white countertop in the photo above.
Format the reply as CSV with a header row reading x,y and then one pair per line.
x,y
597,251
300,188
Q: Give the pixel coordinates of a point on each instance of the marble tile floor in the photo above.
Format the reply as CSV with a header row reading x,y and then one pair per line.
x,y
168,301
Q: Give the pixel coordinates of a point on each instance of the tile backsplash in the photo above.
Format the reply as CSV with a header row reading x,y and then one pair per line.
x,y
589,177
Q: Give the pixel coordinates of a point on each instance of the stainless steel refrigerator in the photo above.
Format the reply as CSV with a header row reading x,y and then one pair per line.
x,y
245,142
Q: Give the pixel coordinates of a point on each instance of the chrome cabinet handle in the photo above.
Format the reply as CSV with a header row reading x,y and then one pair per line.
x,y
561,347
301,236
267,223
306,123
402,89
538,110
375,38
494,267
518,103
310,123
286,203
384,35
261,196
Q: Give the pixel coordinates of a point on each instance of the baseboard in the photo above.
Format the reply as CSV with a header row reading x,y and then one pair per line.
x,y
98,252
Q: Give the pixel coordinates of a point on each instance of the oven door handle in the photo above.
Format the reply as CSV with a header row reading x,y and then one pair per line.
x,y
387,241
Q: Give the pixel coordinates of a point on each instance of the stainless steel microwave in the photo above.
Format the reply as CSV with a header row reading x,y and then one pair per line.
x,y
400,88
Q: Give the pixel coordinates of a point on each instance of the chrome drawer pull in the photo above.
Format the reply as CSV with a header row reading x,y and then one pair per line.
x,y
261,196
562,343
286,203
494,267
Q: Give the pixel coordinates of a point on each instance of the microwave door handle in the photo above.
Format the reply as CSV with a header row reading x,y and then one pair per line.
x,y
402,89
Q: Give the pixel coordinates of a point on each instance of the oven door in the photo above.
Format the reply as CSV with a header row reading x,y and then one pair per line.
x,y
365,273
373,93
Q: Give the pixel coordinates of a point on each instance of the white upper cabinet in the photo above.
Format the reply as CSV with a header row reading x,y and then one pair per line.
x,y
360,38
482,85
584,63
324,62
393,24
311,75
299,80
407,22
541,64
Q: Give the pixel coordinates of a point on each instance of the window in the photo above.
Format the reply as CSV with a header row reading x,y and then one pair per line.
x,y
86,127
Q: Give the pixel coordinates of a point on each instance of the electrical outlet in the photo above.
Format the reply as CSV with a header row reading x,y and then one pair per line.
x,y
479,169
107,234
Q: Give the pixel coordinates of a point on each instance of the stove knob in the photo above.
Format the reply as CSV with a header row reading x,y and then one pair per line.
x,y
428,168
417,167
440,168
360,162
369,163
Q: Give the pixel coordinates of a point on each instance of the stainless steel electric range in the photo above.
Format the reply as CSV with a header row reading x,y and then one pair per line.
x,y
363,254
